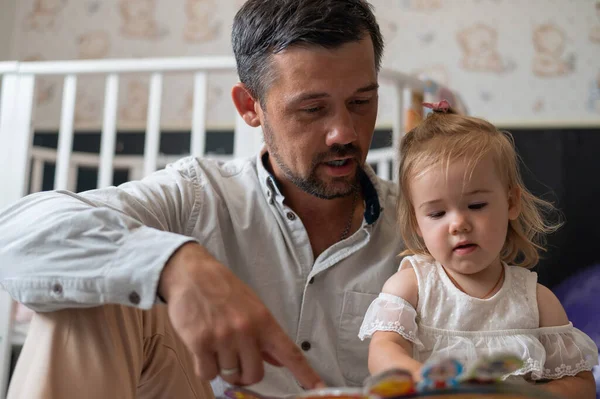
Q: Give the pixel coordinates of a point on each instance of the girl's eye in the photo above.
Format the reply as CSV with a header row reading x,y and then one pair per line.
x,y
436,215
478,206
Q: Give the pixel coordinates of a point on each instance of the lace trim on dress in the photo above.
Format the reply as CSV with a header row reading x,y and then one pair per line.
x,y
548,352
390,313
565,370
536,371
373,327
568,352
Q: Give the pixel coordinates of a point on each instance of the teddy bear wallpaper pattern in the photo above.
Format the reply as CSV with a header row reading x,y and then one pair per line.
x,y
94,29
485,49
549,50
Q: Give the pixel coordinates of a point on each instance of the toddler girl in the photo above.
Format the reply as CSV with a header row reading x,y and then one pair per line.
x,y
473,231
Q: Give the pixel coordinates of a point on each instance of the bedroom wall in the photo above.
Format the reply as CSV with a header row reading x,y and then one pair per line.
x,y
517,63
7,27
532,66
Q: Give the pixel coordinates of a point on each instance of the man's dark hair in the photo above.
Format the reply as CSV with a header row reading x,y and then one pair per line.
x,y
265,27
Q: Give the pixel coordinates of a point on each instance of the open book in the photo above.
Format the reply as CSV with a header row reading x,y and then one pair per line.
x,y
441,378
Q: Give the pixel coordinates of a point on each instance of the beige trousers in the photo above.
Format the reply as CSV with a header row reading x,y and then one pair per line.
x,y
105,352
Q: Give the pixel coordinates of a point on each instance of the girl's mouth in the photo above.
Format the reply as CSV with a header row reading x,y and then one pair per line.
x,y
464,249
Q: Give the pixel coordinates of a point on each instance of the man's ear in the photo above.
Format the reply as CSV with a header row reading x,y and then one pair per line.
x,y
245,104
514,203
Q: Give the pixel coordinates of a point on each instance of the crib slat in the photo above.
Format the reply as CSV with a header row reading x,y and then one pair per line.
x,y
6,305
109,131
383,169
247,139
398,117
65,134
152,144
407,101
37,174
16,107
16,110
73,175
136,171
198,141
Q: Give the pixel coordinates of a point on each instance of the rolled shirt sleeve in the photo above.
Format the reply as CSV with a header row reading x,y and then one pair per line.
x,y
59,249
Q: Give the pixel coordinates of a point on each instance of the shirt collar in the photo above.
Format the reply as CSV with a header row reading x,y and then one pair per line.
x,y
268,183
369,183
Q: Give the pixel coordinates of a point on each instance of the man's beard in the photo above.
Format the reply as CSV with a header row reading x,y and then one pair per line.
x,y
312,184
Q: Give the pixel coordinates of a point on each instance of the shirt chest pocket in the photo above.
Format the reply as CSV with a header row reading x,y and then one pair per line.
x,y
353,353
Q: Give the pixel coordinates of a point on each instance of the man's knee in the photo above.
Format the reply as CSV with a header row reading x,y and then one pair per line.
x,y
89,349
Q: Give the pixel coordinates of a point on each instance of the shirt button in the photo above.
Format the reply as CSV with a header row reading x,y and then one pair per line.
x,y
312,280
134,298
305,346
291,216
57,289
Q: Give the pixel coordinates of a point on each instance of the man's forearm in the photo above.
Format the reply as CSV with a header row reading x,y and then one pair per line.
x,y
61,250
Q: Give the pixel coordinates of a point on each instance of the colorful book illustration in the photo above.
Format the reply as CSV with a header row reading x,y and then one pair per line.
x,y
443,377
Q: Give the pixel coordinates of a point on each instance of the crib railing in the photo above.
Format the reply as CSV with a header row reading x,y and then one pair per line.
x,y
133,164
17,99
381,159
17,113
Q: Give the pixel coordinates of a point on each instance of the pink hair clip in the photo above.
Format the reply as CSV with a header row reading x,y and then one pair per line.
x,y
442,106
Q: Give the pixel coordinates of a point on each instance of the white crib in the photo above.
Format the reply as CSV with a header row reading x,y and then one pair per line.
x,y
19,159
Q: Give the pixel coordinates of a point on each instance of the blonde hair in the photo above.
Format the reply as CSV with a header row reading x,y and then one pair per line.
x,y
445,137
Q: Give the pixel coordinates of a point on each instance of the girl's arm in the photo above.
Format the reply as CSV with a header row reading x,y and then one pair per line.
x,y
580,386
389,349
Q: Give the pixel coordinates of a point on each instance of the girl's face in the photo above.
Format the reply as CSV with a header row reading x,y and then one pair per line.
x,y
463,219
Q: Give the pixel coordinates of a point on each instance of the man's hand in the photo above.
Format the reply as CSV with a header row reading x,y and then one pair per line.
x,y
228,330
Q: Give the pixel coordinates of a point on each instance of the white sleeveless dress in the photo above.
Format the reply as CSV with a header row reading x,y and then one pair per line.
x,y
450,323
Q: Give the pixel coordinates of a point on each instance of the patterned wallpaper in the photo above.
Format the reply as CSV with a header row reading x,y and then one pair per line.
x,y
513,62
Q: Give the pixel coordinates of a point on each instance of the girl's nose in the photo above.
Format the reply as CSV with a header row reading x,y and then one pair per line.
x,y
459,225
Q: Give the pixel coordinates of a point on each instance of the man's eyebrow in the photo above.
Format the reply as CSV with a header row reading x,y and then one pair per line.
x,y
371,87
307,96
313,96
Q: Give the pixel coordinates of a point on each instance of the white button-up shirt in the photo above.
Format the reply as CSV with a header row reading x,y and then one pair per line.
x,y
59,249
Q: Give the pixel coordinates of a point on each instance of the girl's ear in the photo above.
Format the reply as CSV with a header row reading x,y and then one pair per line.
x,y
514,203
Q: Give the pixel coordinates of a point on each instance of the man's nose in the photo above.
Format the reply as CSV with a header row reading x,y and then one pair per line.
x,y
341,130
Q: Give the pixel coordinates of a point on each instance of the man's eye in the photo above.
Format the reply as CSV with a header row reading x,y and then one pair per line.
x,y
436,215
477,206
361,102
312,110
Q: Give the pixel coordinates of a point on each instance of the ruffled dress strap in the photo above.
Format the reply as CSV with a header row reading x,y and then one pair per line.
x,y
569,351
390,313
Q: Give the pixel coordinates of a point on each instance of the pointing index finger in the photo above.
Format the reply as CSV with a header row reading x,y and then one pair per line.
x,y
281,348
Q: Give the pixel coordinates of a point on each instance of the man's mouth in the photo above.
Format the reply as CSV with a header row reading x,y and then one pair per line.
x,y
338,162
340,167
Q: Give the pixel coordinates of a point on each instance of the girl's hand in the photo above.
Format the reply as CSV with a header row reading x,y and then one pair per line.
x,y
580,386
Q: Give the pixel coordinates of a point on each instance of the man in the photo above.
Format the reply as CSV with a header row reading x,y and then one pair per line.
x,y
272,259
